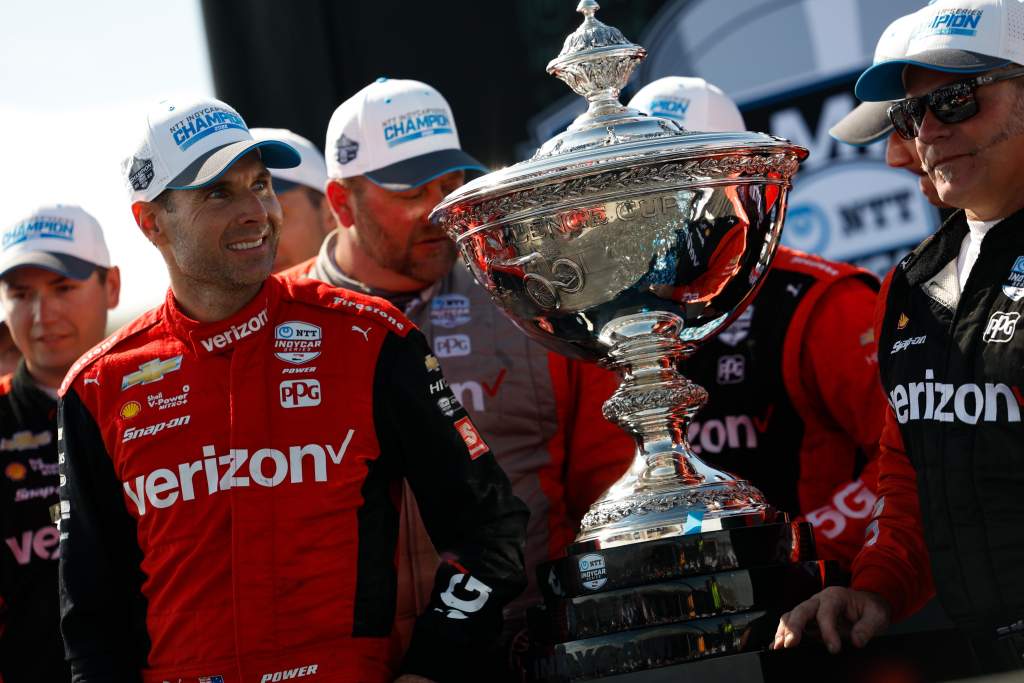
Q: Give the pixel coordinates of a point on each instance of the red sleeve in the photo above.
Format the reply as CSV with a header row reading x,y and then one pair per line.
x,y
839,371
597,452
894,560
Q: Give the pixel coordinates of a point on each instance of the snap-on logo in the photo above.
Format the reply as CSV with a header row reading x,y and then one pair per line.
x,y
904,344
133,433
297,342
236,332
267,467
941,402
300,393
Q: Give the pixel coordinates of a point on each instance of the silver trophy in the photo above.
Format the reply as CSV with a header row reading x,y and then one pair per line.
x,y
628,241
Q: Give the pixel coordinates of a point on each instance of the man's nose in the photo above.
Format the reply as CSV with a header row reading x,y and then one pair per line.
x,y
931,129
252,208
45,308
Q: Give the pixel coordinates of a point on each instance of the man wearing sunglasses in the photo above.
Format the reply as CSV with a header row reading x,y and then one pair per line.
x,y
951,479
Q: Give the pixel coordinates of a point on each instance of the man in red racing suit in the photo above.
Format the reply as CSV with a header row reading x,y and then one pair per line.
x,y
230,486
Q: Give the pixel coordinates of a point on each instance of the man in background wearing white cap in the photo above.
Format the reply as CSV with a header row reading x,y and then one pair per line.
x,y
692,102
56,286
393,154
796,371
952,463
230,456
300,190
869,122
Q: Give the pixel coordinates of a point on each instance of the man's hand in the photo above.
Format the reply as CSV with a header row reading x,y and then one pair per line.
x,y
412,678
859,615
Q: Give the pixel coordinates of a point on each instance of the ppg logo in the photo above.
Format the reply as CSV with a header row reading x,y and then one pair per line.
x,y
300,393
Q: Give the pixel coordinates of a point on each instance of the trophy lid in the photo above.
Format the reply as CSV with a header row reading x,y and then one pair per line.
x,y
597,61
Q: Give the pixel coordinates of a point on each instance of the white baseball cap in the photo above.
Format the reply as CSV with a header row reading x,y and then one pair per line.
x,y
189,143
956,36
398,133
869,121
311,171
60,238
692,102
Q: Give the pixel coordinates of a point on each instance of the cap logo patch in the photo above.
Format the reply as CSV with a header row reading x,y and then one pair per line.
x,y
415,125
955,22
40,227
346,149
673,108
199,124
140,173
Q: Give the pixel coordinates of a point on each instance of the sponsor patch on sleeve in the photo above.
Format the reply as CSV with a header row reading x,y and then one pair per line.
x,y
471,437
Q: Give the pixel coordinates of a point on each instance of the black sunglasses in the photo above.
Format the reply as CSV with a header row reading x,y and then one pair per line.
x,y
951,103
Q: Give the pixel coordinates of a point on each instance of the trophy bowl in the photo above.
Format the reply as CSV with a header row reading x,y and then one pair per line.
x,y
628,241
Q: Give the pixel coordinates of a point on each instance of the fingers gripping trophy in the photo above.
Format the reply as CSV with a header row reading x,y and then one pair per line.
x,y
628,241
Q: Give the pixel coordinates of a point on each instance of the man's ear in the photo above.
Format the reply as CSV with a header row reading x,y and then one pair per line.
x,y
113,287
339,198
147,217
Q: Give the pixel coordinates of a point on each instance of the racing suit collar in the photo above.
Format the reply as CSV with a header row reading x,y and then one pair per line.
x,y
251,322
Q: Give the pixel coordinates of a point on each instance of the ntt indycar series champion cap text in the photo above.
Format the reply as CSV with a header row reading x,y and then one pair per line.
x,y
398,133
957,36
189,143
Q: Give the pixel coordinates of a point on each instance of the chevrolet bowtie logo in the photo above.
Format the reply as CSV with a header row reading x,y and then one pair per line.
x,y
151,371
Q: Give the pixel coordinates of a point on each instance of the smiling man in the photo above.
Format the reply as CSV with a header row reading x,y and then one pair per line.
x,y
56,286
230,456
951,479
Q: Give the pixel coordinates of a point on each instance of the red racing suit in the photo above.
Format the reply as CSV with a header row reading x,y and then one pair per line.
x,y
795,406
231,495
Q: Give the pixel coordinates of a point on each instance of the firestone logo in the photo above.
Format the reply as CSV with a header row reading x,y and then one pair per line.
x,y
370,308
267,467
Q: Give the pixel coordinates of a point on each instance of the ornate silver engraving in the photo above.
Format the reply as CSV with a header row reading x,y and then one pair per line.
x,y
780,166
610,512
633,400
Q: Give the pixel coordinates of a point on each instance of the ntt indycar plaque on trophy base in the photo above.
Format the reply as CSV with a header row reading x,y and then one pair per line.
x,y
628,241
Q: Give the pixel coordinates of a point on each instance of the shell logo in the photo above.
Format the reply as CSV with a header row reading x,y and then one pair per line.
x,y
15,471
902,322
130,409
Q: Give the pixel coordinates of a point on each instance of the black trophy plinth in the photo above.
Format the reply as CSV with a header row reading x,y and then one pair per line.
x,y
687,599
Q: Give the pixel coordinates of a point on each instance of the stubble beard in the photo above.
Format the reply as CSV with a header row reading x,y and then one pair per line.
x,y
204,268
1013,128
399,258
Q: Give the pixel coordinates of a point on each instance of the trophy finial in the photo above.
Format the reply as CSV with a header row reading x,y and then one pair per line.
x,y
596,61
587,8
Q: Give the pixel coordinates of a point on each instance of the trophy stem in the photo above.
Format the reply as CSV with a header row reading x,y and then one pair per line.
x,y
668,490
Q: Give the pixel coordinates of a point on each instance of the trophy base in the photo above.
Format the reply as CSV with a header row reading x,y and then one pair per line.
x,y
627,609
